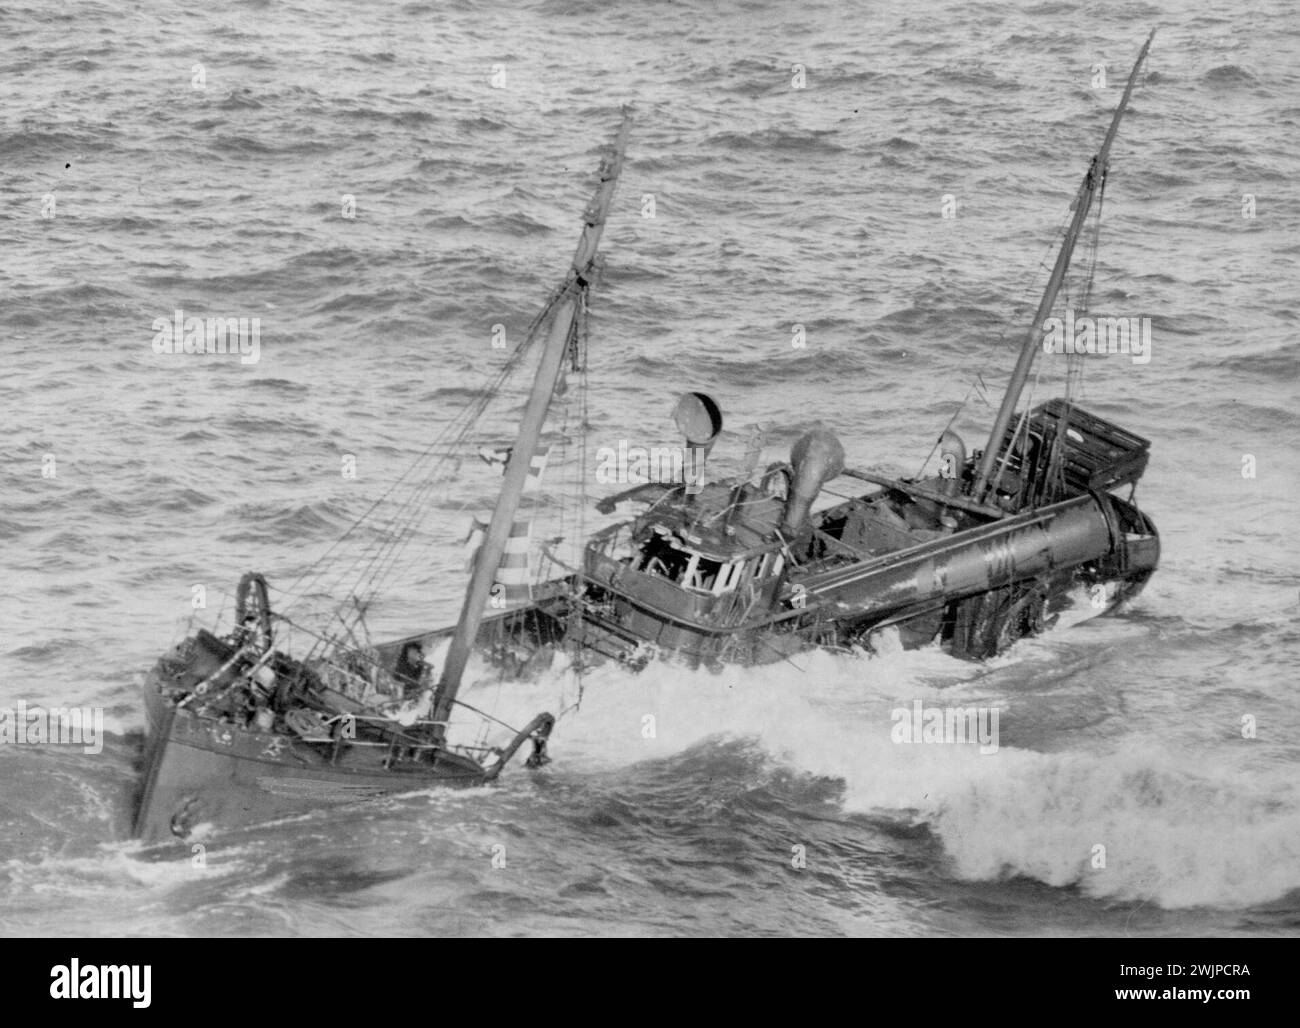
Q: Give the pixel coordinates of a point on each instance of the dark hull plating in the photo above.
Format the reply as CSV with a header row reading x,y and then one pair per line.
x,y
202,771
973,592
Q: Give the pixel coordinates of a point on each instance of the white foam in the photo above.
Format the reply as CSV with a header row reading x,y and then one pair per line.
x,y
1178,829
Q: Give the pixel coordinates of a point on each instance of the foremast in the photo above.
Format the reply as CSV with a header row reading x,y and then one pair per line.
x,y
1088,189
530,428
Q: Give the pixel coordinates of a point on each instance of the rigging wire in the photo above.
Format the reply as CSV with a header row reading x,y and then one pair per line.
x,y
412,511
419,479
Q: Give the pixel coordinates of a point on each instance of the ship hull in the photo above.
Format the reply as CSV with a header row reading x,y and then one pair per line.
x,y
973,592
202,771
1066,600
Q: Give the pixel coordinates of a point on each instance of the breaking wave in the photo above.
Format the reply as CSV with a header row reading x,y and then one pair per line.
x,y
1139,823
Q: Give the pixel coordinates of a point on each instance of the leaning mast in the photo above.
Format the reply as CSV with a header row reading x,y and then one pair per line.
x,y
1092,182
530,428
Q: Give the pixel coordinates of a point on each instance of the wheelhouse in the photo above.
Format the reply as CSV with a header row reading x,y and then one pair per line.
x,y
697,569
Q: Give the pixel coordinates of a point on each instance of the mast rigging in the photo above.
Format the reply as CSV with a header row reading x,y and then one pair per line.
x,y
549,369
1092,181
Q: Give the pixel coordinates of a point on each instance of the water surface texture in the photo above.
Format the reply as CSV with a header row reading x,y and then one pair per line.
x,y
163,156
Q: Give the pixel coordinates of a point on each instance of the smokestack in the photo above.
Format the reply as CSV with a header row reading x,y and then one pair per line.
x,y
816,458
699,419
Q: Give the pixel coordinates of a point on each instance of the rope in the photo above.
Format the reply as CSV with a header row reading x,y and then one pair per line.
x,y
434,465
411,512
955,414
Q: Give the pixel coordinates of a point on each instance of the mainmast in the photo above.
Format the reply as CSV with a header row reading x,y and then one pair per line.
x,y
530,428
1092,182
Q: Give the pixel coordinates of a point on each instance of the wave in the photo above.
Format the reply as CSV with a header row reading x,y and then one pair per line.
x,y
1229,75
800,141
1140,824
1137,823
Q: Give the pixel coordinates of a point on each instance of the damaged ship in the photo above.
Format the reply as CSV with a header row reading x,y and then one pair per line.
x,y
998,544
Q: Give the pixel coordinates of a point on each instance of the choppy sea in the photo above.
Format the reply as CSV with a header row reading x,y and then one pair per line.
x,y
157,157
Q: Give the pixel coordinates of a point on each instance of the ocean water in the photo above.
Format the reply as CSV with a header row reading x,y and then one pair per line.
x,y
165,156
